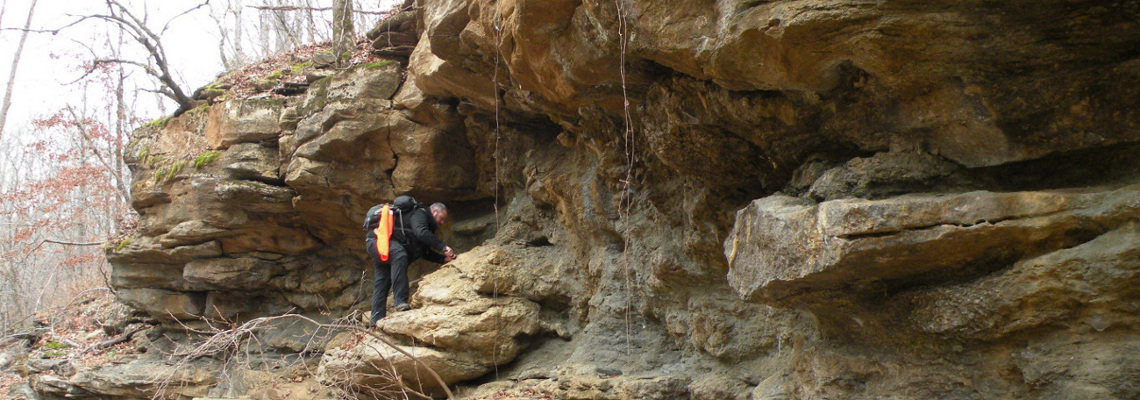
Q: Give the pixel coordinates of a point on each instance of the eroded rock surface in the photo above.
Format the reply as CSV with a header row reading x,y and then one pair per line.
x,y
784,247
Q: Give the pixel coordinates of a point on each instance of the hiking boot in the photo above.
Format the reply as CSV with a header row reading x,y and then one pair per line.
x,y
402,307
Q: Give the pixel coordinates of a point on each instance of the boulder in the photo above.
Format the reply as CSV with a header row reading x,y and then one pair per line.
x,y
784,250
249,161
147,250
191,233
453,329
164,304
140,379
449,314
243,273
243,121
142,275
437,77
378,80
371,364
1085,287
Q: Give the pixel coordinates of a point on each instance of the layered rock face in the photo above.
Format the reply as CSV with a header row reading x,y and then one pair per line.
x,y
696,199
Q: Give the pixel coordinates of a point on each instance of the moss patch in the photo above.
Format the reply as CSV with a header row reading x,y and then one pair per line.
x,y
158,174
155,160
378,64
122,244
275,75
199,109
297,68
54,345
157,124
175,169
205,158
318,92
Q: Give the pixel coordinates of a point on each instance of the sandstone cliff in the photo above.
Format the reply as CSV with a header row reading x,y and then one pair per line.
x,y
671,200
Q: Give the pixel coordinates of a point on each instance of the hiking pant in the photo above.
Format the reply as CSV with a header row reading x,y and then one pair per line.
x,y
393,272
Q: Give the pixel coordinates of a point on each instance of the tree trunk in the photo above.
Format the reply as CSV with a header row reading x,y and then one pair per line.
x,y
239,55
343,34
12,74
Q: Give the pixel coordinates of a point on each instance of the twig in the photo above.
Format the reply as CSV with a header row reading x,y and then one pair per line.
x,y
126,336
70,303
231,339
295,8
73,243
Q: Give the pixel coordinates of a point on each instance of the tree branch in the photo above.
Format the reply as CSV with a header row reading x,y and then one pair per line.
x,y
168,22
82,127
7,102
136,28
66,243
295,8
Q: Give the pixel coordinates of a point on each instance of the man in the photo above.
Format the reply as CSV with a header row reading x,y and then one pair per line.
x,y
413,236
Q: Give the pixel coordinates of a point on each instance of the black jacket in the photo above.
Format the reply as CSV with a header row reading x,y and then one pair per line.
x,y
420,239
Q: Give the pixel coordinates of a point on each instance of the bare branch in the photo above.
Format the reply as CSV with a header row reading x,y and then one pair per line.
x,y
168,22
29,30
137,29
115,173
7,102
123,338
67,243
229,340
295,8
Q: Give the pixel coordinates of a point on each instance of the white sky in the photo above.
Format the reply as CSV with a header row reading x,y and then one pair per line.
x,y
191,43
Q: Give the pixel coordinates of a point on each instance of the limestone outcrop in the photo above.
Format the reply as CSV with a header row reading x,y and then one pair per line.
x,y
786,250
678,200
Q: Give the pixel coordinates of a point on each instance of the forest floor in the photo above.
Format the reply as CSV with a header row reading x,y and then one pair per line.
x,y
75,337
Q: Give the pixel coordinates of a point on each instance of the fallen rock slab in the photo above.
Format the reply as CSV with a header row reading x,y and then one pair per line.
x,y
787,251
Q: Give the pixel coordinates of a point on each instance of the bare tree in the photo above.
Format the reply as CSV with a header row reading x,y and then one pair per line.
x,y
156,65
238,54
15,64
346,15
344,36
225,43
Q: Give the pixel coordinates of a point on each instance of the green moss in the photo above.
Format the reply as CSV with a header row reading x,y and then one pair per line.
x,y
54,354
158,123
143,154
199,109
205,158
379,64
267,101
158,174
174,170
122,244
274,76
54,345
317,97
155,160
297,68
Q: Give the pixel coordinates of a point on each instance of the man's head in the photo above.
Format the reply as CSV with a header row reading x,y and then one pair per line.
x,y
439,212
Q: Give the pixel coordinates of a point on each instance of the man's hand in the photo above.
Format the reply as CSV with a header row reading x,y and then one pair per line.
x,y
449,254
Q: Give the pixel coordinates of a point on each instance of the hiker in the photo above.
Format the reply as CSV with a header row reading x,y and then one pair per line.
x,y
412,236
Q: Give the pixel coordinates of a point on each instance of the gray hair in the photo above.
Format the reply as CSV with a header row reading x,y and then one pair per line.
x,y
438,207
